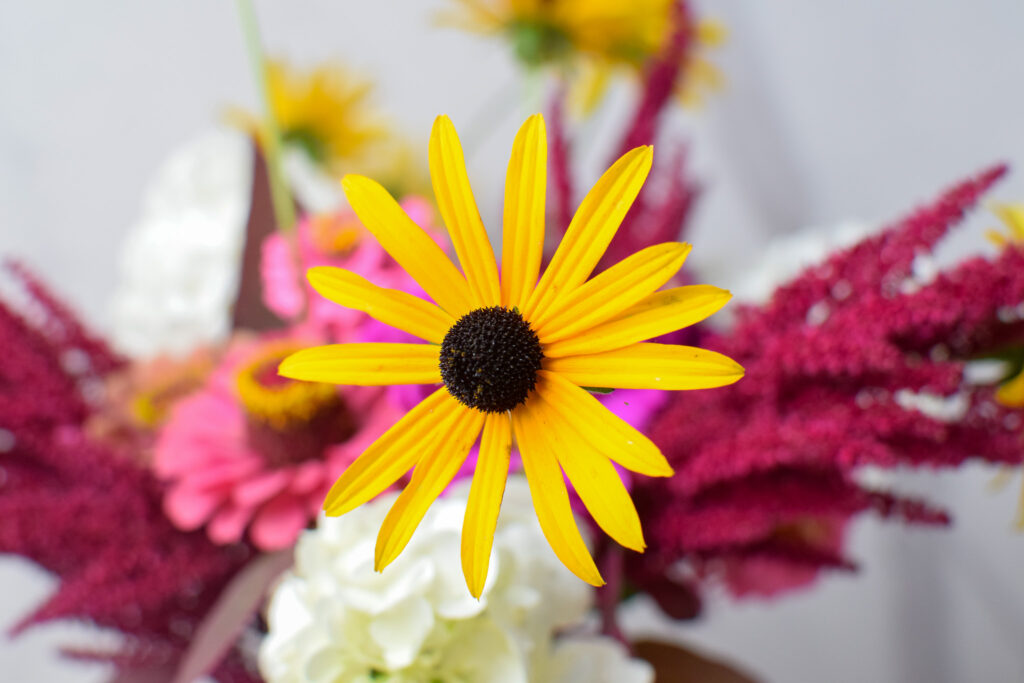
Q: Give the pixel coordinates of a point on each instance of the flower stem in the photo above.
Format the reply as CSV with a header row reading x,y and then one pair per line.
x,y
280,196
608,595
284,208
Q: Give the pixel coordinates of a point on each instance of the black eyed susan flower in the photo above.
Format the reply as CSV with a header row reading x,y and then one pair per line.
x,y
513,354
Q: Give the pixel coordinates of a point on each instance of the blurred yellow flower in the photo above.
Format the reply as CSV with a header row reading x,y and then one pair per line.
x,y
596,37
1012,216
325,111
1011,392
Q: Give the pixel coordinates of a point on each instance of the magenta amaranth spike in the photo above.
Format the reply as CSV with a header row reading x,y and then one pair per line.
x,y
767,470
93,518
660,212
660,81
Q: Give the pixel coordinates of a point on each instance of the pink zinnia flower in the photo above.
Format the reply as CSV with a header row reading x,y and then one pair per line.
x,y
84,513
255,451
338,240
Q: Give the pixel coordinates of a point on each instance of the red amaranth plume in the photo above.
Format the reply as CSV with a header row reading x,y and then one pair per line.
x,y
767,471
660,80
90,517
660,212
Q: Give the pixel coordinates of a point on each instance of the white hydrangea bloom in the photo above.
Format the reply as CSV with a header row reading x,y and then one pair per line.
x,y
333,619
179,267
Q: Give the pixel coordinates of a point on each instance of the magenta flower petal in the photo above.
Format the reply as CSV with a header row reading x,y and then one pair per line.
x,y
189,508
261,488
279,522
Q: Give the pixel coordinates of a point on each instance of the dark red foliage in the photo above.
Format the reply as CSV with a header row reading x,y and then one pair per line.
x,y
767,471
84,513
660,211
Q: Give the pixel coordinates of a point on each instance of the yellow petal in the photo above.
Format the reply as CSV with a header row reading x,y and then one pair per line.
x,y
390,306
485,500
649,366
1013,216
408,244
613,291
595,480
711,33
589,88
433,473
657,314
550,498
460,214
591,229
394,453
601,429
1011,392
367,365
523,225
997,238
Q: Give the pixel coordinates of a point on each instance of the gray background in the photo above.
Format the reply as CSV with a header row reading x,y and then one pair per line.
x,y
832,111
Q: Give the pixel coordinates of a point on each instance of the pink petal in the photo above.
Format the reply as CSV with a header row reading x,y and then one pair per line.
x,y
279,522
218,475
307,478
261,488
228,525
189,508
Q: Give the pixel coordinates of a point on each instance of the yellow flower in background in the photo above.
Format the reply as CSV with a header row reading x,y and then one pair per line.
x,y
514,354
1011,392
325,111
1012,216
597,37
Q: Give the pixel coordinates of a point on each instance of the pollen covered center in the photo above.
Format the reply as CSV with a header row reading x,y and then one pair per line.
x,y
490,359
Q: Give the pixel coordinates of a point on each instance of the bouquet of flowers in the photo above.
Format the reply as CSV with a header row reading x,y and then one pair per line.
x,y
335,442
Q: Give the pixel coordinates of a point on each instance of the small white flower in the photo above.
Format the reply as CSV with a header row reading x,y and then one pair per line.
x,y
333,619
180,263
596,660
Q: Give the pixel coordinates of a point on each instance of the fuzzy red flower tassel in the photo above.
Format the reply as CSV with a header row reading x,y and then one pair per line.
x,y
768,471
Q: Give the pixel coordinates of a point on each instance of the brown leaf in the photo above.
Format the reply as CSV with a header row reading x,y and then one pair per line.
x,y
676,664
249,311
235,607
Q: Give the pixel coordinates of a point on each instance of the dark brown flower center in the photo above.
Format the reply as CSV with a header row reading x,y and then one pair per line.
x,y
490,359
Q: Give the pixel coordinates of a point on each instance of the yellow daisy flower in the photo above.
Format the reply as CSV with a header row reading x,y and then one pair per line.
x,y
514,354
1011,392
324,111
604,34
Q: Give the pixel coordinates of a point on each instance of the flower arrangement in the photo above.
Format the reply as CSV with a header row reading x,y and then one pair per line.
x,y
335,438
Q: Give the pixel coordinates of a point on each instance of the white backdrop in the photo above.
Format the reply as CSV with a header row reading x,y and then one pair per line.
x,y
833,110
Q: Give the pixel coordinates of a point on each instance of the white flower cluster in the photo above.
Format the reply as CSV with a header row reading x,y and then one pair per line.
x,y
333,619
179,268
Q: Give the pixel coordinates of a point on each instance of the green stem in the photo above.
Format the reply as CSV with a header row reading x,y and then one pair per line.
x,y
281,198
